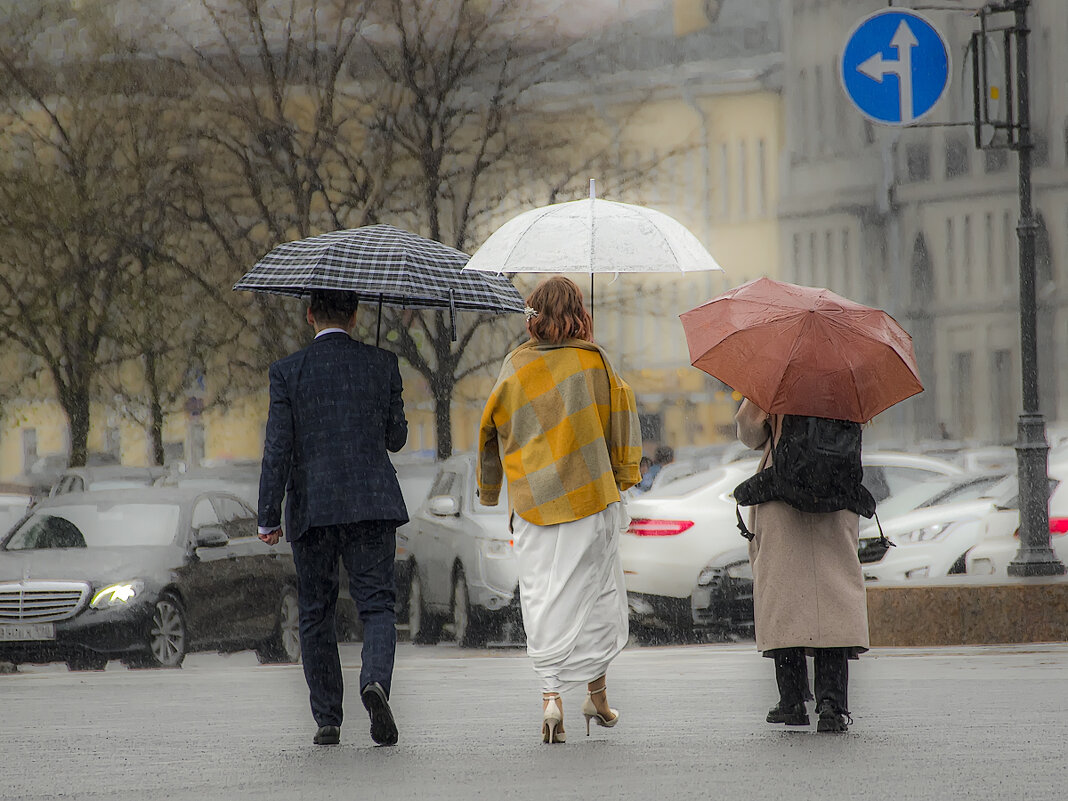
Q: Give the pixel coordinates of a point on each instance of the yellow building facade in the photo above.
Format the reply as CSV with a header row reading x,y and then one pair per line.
x,y
710,131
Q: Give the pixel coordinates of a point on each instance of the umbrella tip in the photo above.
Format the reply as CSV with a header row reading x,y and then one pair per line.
x,y
593,188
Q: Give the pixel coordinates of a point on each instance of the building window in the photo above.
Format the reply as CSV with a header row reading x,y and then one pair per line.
x,y
1009,239
818,128
964,394
991,272
724,182
802,113
797,258
951,259
652,426
918,161
1040,149
841,115
996,159
743,181
828,257
848,268
966,252
29,448
814,272
922,286
957,157
1003,395
762,178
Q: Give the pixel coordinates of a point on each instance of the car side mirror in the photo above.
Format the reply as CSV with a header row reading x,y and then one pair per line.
x,y
443,506
211,537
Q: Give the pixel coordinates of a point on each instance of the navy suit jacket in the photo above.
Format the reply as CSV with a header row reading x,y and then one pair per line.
x,y
336,409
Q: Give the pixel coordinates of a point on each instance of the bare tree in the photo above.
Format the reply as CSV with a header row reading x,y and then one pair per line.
x,y
64,265
279,153
470,139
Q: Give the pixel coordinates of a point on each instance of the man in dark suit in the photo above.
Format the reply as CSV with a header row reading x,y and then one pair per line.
x,y
335,410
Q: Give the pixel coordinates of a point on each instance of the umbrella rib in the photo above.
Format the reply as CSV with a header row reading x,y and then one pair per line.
x,y
547,211
667,242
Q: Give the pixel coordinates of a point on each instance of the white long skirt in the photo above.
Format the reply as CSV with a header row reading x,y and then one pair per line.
x,y
573,597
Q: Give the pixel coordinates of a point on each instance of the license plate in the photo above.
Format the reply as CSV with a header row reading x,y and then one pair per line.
x,y
27,631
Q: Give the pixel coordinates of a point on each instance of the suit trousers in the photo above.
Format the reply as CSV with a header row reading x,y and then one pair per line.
x,y
367,549
832,676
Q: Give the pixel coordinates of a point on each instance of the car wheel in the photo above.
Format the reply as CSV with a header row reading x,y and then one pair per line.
x,y
424,628
467,630
89,660
167,636
284,643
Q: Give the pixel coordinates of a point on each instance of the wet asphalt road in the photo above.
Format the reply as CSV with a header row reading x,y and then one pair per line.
x,y
981,723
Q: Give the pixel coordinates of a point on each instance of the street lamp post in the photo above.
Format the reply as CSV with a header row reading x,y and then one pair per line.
x,y
1035,557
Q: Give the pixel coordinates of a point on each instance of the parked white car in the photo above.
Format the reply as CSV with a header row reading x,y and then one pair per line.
x,y
15,501
675,529
932,538
998,535
463,568
105,477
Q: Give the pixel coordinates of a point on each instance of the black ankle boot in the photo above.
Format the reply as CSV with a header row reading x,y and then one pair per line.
x,y
791,715
831,719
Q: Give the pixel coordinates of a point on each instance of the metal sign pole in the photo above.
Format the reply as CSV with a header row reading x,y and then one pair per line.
x,y
1035,556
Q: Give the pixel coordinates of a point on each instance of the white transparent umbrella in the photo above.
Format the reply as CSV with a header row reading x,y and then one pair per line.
x,y
592,236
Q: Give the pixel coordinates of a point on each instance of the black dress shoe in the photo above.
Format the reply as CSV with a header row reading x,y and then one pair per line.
x,y
795,715
832,720
383,727
327,735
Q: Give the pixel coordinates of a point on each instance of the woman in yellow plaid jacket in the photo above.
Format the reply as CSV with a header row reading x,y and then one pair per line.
x,y
562,426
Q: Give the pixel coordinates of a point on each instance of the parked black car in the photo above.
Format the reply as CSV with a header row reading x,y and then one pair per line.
x,y
146,576
722,601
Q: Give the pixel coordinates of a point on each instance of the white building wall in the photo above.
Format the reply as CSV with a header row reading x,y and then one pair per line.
x,y
883,188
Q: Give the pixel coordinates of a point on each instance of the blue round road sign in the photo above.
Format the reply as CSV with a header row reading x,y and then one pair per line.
x,y
895,67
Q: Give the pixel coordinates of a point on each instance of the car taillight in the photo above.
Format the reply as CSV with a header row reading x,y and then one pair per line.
x,y
644,527
1058,526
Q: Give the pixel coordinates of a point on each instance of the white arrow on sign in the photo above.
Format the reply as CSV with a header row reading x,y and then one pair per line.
x,y
875,67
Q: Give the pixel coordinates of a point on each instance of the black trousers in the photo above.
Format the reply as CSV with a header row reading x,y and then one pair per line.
x,y
367,550
832,676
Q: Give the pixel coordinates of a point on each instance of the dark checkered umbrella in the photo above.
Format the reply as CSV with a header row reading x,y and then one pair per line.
x,y
382,264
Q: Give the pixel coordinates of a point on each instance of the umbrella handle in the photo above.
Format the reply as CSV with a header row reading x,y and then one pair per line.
x,y
378,333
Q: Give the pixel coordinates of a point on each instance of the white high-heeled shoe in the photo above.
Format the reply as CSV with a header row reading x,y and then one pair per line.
x,y
589,711
552,721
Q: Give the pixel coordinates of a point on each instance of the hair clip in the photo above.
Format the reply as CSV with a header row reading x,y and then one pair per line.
x,y
530,313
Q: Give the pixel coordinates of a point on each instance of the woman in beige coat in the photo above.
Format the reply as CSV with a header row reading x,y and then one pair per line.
x,y
808,593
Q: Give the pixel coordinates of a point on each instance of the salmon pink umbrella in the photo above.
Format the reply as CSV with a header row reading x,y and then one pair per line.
x,y
797,350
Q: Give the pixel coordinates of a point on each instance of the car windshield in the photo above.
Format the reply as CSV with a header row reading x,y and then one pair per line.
x,y
97,526
938,490
1007,493
119,483
684,486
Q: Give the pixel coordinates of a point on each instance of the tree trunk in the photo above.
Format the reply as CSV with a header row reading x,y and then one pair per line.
x,y
155,413
76,404
442,391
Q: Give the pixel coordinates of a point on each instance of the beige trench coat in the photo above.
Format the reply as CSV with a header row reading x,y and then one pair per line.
x,y
808,585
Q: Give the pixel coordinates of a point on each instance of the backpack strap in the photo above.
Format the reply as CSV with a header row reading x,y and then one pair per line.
x,y
745,532
888,544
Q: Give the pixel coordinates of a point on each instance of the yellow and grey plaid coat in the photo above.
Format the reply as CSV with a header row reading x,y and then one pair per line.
x,y
567,427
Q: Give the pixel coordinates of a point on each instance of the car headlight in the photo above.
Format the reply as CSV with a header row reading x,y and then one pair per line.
x,y
706,576
925,534
117,594
497,549
740,570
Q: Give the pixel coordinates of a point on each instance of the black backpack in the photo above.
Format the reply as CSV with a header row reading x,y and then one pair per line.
x,y
815,468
